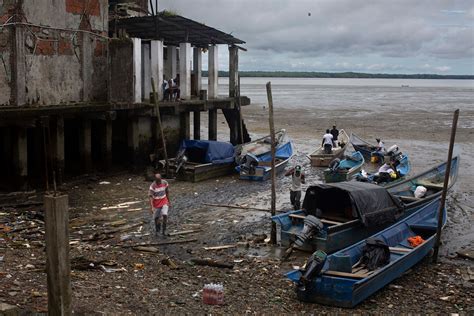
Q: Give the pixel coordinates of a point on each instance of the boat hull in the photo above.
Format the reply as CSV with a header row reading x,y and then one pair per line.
x,y
262,174
319,159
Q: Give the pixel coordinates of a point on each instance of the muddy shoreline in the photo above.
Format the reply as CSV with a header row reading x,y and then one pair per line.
x,y
256,283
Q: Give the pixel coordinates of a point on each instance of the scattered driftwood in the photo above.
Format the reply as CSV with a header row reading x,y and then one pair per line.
x,y
238,207
466,254
162,243
170,263
146,249
184,232
220,247
23,204
123,228
212,263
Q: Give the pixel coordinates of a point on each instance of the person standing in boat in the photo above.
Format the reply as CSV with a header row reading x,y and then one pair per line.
x,y
335,134
380,145
327,142
159,203
297,178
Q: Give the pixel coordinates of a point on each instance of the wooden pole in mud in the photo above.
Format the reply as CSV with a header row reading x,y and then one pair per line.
x,y
445,185
162,135
273,172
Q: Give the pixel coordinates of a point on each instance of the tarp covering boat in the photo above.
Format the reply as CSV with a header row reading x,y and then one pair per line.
x,y
372,204
208,151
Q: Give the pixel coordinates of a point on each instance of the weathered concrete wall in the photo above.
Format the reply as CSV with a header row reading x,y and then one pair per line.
x,y
5,66
121,83
58,64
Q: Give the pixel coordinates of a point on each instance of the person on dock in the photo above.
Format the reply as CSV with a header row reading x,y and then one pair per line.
x,y
327,142
297,178
176,92
159,203
166,89
334,133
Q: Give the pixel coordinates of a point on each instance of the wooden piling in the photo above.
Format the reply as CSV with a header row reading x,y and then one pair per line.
x,y
58,265
445,185
273,171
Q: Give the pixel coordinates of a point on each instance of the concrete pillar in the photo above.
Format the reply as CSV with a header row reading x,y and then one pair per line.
x,y
58,265
171,62
85,144
86,66
20,155
133,139
106,143
197,125
57,144
137,70
213,72
19,64
146,71
212,124
184,125
197,70
185,70
233,71
157,66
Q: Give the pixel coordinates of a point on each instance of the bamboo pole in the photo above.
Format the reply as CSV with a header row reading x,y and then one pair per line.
x,y
445,185
162,135
273,171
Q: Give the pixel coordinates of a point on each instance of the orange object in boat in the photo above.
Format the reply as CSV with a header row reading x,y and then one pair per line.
x,y
415,241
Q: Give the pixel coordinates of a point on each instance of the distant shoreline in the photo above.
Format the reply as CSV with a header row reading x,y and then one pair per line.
x,y
357,75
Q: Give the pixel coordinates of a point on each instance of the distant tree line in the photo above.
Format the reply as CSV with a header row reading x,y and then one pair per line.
x,y
310,74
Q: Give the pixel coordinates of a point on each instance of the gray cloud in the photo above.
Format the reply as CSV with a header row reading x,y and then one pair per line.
x,y
311,29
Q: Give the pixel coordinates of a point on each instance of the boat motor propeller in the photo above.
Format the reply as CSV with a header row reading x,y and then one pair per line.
x,y
313,268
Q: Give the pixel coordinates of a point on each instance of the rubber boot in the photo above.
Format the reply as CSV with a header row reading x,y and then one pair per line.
x,y
157,227
165,220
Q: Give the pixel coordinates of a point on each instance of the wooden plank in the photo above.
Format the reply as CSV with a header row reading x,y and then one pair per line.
x,y
238,207
397,249
220,247
163,243
326,221
345,274
184,232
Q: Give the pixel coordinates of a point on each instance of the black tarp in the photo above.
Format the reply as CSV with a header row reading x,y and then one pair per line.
x,y
371,203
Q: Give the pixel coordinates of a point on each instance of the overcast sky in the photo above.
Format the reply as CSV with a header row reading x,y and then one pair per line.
x,y
375,36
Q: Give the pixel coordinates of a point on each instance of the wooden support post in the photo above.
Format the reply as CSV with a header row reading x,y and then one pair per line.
x,y
184,122
57,148
58,266
133,139
445,185
197,125
212,124
20,155
273,172
85,144
106,143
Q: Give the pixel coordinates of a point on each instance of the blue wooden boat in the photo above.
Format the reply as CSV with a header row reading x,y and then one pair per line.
x,y
403,168
364,147
345,169
254,162
334,285
342,228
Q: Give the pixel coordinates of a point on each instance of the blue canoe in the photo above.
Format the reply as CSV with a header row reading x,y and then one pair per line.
x,y
346,169
341,228
347,289
403,169
258,168
364,147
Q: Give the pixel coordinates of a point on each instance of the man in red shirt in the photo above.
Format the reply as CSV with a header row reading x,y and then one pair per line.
x,y
159,202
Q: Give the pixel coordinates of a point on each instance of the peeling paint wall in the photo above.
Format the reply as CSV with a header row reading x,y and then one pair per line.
x,y
121,71
61,65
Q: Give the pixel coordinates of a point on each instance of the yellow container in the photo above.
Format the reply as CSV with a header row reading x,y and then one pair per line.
x,y
374,159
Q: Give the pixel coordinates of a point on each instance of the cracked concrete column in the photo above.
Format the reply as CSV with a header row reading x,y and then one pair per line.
x,y
146,71
137,70
157,66
185,70
197,69
171,62
213,72
212,128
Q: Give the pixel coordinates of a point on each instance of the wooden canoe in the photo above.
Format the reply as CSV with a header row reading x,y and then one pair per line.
x,y
320,159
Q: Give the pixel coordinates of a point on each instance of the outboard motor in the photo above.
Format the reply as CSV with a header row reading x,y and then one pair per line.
x,y
249,163
313,268
334,164
312,226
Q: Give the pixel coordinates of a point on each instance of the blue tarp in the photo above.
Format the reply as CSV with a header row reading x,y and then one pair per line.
x,y
208,151
283,152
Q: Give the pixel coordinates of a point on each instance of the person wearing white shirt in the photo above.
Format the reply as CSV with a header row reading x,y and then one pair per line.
x,y
327,142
